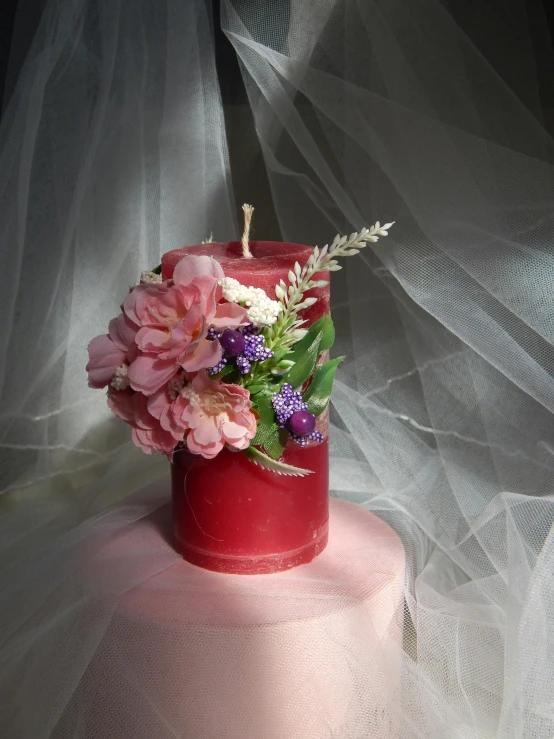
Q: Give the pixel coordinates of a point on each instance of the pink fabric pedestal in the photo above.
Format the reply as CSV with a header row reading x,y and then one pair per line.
x,y
306,654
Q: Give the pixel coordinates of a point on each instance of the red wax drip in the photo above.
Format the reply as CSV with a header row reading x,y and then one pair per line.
x,y
230,515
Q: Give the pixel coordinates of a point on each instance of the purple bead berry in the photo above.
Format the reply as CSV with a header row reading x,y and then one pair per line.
x,y
285,403
255,349
243,364
213,333
232,342
218,367
301,423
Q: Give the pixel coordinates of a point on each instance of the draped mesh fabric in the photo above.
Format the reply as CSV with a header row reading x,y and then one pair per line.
x,y
113,150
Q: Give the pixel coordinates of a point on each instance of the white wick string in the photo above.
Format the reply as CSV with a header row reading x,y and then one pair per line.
x,y
248,210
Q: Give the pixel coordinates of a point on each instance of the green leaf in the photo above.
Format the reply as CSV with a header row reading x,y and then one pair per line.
x,y
255,389
263,434
275,442
317,396
323,325
261,459
262,403
225,371
280,354
327,328
271,438
304,364
266,421
157,270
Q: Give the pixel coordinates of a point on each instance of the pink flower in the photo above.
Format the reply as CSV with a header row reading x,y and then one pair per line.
x,y
212,412
147,432
110,351
160,406
174,318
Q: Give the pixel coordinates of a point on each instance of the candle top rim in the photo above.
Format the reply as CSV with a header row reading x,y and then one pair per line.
x,y
264,253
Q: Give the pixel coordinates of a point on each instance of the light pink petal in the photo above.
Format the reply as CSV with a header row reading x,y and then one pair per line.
x,y
158,402
240,444
176,344
190,293
202,381
144,302
104,358
209,292
141,439
194,321
153,441
202,354
249,421
192,266
151,339
169,422
206,431
143,419
188,415
230,315
209,452
122,331
233,431
164,309
121,403
179,406
162,441
130,303
148,373
239,397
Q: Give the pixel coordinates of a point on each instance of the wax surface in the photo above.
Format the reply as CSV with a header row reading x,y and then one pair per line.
x,y
230,515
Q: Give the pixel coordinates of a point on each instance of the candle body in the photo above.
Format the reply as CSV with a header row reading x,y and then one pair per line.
x,y
229,514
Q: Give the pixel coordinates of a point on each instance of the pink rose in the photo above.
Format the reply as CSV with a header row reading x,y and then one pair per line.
x,y
110,351
212,412
173,320
147,432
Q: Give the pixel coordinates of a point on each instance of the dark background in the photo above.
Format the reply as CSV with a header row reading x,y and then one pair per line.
x,y
476,17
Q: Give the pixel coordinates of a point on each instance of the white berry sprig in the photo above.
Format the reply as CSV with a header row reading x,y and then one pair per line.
x,y
300,278
262,311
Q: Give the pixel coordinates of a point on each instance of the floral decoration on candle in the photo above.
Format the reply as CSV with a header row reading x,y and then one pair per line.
x,y
203,362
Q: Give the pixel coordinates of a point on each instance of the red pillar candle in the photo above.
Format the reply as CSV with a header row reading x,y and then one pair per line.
x,y
230,515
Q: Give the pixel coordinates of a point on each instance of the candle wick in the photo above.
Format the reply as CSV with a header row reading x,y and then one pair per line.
x,y
248,210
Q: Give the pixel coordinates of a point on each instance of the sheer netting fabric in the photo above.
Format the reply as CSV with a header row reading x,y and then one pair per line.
x,y
113,151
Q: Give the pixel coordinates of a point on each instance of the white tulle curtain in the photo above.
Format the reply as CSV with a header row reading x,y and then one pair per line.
x,y
388,109
113,150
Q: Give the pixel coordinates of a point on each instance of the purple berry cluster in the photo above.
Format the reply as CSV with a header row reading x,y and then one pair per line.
x,y
218,367
292,412
255,350
213,334
304,440
244,346
285,403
